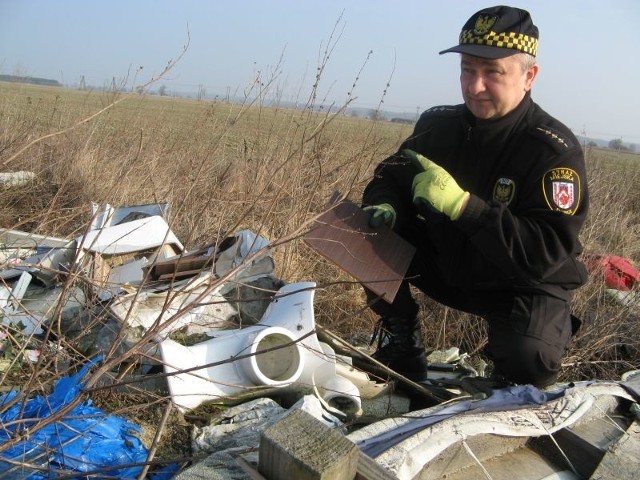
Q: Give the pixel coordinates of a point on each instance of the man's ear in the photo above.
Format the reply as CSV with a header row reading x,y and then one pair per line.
x,y
531,75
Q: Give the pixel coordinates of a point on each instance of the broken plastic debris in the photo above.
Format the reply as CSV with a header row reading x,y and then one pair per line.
x,y
247,244
105,215
16,179
444,356
618,273
35,308
134,236
188,304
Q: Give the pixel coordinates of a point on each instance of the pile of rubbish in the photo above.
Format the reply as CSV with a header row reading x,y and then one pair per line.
x,y
215,321
209,325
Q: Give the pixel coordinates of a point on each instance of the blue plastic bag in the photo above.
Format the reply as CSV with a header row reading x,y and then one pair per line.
x,y
84,440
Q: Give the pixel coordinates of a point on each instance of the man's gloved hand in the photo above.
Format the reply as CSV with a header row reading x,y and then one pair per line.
x,y
434,186
383,213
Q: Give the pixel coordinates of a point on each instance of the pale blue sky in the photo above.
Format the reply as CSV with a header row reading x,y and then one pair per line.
x,y
588,50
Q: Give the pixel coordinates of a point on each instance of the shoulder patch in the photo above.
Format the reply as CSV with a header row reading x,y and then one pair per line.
x,y
562,189
504,190
558,140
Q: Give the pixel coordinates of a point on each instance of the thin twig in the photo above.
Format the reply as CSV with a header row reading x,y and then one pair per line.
x,y
156,440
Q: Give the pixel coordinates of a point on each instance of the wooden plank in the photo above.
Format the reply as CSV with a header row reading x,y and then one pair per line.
x,y
195,261
302,447
178,275
378,258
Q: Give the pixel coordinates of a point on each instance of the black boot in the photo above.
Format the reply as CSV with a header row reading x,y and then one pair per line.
x,y
401,347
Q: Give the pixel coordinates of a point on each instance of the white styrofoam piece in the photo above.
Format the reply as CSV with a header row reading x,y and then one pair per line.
x,y
137,235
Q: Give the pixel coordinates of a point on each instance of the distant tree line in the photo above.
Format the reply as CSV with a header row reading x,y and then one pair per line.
x,y
616,144
402,120
32,80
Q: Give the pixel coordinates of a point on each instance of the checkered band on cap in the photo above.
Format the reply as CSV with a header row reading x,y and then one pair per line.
x,y
514,41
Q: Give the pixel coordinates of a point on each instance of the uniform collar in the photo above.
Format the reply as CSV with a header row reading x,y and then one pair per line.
x,y
490,130
509,119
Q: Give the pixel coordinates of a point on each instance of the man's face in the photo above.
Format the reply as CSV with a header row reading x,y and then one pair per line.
x,y
492,88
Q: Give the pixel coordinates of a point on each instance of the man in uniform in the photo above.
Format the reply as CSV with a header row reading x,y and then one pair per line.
x,y
492,193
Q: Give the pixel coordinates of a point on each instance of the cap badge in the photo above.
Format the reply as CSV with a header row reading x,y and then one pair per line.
x,y
484,23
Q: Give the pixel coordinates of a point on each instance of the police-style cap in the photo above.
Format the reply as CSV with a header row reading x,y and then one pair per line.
x,y
498,32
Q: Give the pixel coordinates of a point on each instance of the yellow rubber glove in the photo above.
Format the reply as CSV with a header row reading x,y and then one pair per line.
x,y
381,214
434,186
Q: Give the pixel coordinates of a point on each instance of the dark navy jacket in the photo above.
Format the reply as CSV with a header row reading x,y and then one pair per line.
x,y
529,198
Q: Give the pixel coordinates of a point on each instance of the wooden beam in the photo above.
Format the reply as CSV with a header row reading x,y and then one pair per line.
x,y
302,447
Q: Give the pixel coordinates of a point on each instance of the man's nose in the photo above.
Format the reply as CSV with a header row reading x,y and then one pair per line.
x,y
476,85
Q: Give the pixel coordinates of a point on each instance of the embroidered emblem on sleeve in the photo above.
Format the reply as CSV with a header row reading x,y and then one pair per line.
x,y
561,187
504,190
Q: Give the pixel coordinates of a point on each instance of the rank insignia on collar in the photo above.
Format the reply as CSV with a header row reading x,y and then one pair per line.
x,y
504,190
561,187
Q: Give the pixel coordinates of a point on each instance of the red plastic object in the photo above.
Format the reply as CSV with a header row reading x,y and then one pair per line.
x,y
619,273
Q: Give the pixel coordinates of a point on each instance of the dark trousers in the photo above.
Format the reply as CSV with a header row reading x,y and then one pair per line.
x,y
528,332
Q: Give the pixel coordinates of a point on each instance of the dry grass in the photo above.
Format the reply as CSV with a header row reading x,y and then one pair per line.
x,y
608,344
225,166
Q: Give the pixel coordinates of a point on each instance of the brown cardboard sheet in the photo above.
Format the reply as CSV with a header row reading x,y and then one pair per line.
x,y
377,258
